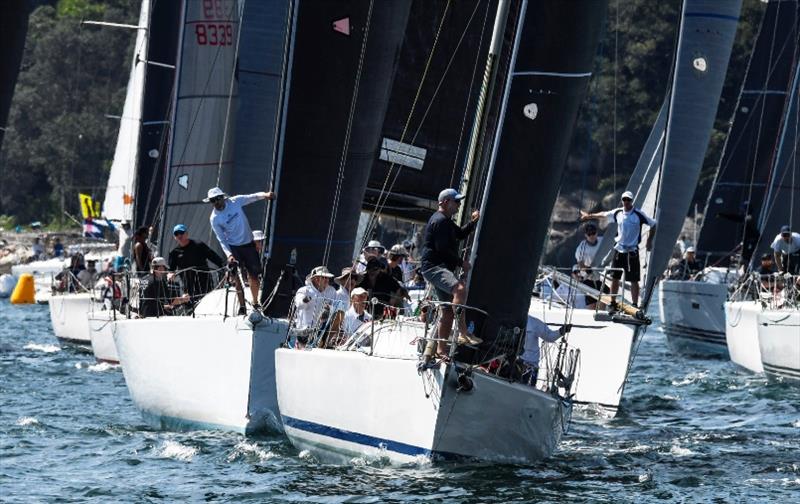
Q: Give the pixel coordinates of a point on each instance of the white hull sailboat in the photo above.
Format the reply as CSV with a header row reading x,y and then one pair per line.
x,y
376,405
779,342
68,315
605,351
208,371
741,334
693,317
101,333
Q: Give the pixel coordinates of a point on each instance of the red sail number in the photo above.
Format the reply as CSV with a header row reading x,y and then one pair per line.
x,y
214,34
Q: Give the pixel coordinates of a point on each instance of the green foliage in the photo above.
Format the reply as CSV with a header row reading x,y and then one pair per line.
x,y
59,142
7,222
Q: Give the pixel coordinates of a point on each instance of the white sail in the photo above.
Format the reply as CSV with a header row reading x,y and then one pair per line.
x,y
118,203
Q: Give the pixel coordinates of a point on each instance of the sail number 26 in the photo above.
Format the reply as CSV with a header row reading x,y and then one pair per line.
x,y
214,30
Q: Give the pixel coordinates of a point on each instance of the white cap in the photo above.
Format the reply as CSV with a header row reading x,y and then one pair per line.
x,y
627,194
358,291
374,244
158,261
213,193
258,235
689,249
450,194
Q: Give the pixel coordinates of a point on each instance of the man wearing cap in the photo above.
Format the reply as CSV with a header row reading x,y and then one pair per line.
x,y
397,257
357,314
786,247
379,284
688,267
310,300
347,281
373,249
234,235
440,258
190,259
157,297
629,220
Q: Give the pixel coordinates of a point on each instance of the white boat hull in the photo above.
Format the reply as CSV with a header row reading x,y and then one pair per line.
x,y
741,334
207,372
605,348
101,332
693,317
345,404
69,317
779,341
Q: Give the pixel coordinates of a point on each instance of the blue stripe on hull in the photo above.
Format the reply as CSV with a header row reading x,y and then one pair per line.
x,y
365,439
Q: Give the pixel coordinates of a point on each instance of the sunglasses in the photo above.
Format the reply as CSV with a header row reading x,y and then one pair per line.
x,y
178,233
216,198
591,232
626,199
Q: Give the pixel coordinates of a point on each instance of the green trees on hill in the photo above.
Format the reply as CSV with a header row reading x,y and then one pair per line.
x,y
59,140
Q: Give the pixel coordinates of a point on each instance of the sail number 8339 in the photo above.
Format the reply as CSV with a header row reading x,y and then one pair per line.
x,y
214,29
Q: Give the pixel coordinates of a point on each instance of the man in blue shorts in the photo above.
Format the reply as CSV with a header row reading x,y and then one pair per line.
x,y
235,236
439,261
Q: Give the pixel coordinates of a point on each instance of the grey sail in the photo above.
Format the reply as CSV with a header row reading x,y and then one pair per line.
x,y
705,40
200,153
260,79
14,27
642,179
782,201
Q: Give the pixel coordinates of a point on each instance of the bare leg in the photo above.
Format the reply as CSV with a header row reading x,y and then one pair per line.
x,y
460,298
635,293
239,291
614,289
445,324
255,286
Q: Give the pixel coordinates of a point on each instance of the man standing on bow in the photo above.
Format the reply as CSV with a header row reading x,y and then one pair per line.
x,y
629,220
440,258
235,236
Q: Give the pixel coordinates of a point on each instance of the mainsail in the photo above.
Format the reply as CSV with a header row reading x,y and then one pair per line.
x,y
260,73
736,197
425,135
551,64
118,203
705,40
343,60
200,152
159,81
14,27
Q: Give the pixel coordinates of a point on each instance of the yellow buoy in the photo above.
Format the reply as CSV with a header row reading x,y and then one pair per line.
x,y
24,293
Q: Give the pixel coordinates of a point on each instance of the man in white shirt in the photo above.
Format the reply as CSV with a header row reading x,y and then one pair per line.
x,y
786,247
629,221
357,314
347,282
536,330
233,232
584,257
310,300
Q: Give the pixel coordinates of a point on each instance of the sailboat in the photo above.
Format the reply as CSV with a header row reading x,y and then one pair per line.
x,y
692,310
366,397
213,369
671,158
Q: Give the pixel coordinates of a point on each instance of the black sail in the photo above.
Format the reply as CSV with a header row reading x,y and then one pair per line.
x,y
14,27
556,44
407,176
741,181
158,91
319,198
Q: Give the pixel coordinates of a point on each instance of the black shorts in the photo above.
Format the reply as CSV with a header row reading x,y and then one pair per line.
x,y
594,284
629,263
247,257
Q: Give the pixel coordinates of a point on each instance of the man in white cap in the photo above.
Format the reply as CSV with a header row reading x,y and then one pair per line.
x,y
234,235
157,297
310,300
688,267
373,249
786,247
629,221
441,258
357,314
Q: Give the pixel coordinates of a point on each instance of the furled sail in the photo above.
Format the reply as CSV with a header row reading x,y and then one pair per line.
x,y
551,64
336,102
118,202
425,135
741,181
203,119
159,81
262,45
705,40
782,201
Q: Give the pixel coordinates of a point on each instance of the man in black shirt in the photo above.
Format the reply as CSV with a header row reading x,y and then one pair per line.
x,y
190,260
381,285
688,267
157,297
440,258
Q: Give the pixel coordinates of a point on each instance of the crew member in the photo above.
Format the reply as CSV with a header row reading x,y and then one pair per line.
x,y
536,330
786,247
157,297
584,257
629,220
189,259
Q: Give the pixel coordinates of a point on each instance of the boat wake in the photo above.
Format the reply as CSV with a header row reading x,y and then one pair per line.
x,y
175,450
38,347
250,452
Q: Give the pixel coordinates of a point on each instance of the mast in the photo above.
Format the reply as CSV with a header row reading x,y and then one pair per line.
x,y
742,176
705,40
550,66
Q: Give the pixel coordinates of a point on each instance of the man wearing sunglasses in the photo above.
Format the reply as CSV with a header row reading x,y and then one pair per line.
x,y
629,221
233,232
189,259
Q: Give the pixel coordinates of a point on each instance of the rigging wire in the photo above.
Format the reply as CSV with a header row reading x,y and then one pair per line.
x,y
616,74
230,92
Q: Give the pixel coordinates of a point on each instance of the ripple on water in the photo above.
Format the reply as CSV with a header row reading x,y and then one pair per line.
x,y
26,421
46,348
177,451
